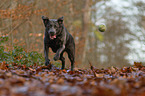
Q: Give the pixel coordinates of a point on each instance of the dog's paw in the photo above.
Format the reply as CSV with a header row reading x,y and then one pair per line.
x,y
47,63
56,57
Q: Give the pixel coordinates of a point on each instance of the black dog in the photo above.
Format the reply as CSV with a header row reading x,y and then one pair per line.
x,y
59,40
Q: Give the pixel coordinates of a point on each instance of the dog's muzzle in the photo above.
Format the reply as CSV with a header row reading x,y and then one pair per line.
x,y
52,35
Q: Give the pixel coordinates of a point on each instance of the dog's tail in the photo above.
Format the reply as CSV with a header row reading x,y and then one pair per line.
x,y
43,17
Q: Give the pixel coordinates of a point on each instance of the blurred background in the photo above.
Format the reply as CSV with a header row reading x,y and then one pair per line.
x,y
120,45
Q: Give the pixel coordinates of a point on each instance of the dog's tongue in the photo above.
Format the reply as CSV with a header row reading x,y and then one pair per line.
x,y
52,37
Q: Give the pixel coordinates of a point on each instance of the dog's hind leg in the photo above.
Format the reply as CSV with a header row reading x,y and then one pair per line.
x,y
62,60
46,50
71,58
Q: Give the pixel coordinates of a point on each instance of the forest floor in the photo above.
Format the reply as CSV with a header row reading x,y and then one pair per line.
x,y
19,80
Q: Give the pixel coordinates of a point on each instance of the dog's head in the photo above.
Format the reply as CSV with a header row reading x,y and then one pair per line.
x,y
53,26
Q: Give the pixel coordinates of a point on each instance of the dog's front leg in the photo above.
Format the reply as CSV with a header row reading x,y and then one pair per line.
x,y
46,50
59,51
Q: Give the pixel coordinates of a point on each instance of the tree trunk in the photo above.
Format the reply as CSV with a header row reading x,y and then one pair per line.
x,y
86,23
13,5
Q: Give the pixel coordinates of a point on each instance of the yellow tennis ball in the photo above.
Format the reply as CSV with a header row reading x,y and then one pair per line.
x,y
102,28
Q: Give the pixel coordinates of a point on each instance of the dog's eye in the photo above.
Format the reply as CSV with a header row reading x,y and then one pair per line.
x,y
55,26
50,25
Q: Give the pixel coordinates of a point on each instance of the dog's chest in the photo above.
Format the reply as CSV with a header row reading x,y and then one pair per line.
x,y
55,44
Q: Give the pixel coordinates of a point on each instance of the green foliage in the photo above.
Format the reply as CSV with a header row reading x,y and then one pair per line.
x,y
19,56
57,64
3,39
3,55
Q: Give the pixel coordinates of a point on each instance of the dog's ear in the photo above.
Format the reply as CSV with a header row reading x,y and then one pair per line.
x,y
60,20
45,20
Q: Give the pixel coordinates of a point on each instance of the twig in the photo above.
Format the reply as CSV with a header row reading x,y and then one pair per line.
x,y
92,68
17,27
2,4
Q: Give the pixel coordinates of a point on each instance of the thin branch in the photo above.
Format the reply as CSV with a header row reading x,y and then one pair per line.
x,y
92,68
17,26
2,4
3,28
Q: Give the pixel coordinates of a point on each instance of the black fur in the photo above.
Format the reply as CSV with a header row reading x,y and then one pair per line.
x,y
59,40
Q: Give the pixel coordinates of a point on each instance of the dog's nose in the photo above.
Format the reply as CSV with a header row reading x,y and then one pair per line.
x,y
51,32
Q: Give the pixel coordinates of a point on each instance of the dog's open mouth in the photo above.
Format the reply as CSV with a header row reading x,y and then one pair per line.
x,y
52,36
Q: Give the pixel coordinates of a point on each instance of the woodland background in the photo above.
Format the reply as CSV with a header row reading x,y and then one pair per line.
x,y
121,44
